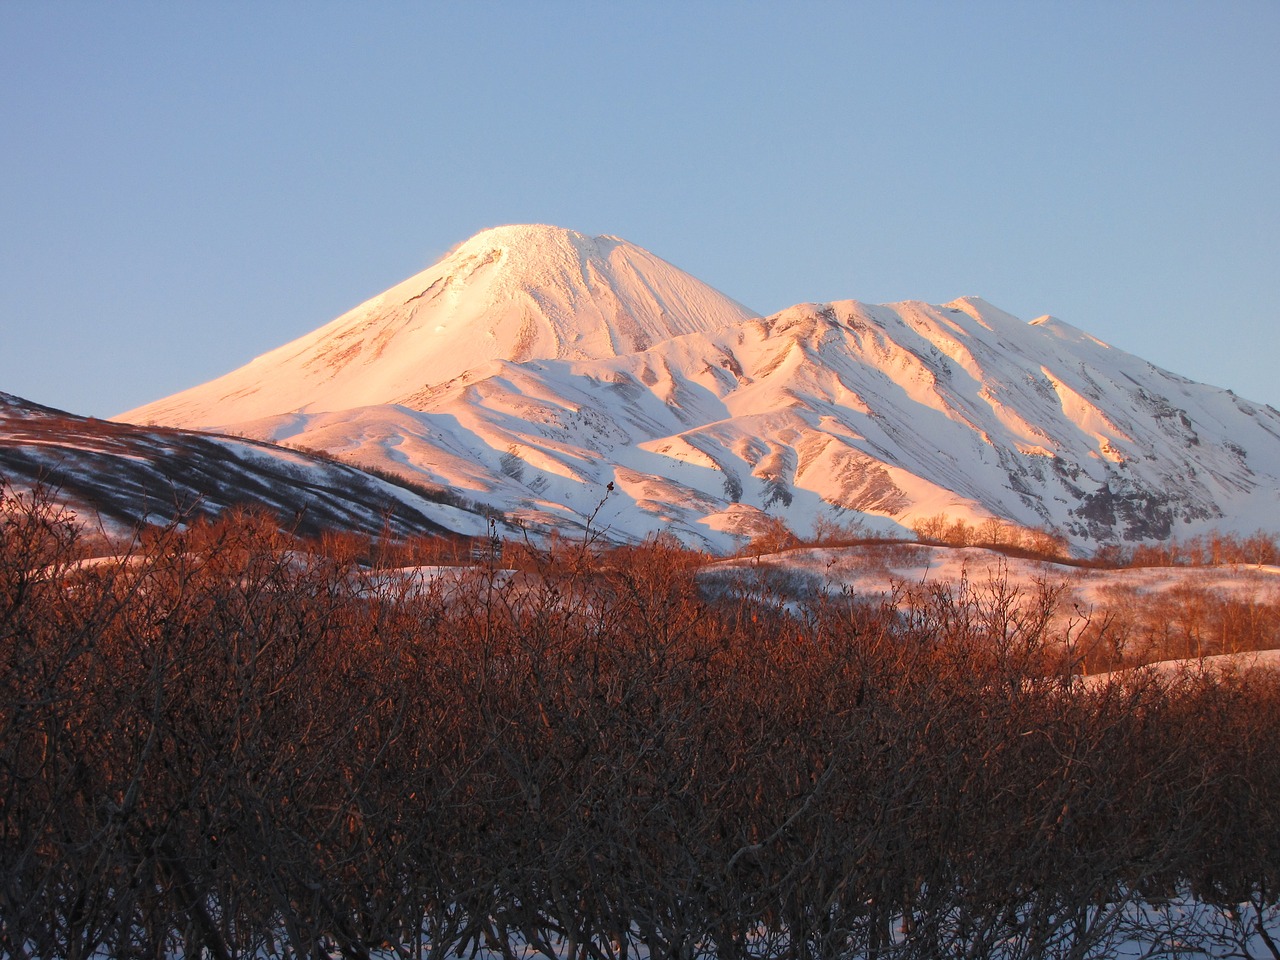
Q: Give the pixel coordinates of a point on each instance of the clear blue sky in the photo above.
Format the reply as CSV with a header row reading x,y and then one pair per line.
x,y
188,185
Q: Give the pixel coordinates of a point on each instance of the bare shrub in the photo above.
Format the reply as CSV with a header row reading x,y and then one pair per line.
x,y
229,743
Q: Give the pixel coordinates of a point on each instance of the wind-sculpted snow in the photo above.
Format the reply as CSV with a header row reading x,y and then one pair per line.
x,y
533,367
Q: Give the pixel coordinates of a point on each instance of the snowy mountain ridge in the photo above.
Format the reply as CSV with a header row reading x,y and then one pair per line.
x,y
532,367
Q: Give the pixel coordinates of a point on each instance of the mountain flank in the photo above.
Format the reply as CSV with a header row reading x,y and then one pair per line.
x,y
560,376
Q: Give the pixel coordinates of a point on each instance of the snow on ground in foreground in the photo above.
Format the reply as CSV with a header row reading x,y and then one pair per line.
x,y
1179,927
889,570
1214,665
885,569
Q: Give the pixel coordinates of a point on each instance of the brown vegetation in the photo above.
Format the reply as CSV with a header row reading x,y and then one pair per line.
x,y
223,744
997,534
1187,621
1211,549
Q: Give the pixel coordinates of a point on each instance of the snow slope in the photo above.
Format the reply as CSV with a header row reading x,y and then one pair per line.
x,y
534,367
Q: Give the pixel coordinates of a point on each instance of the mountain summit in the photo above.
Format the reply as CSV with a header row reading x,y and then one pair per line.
x,y
522,292
539,371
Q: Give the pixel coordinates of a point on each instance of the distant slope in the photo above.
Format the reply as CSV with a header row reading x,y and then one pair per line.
x,y
126,475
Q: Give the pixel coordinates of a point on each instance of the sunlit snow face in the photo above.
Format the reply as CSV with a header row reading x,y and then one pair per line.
x,y
532,366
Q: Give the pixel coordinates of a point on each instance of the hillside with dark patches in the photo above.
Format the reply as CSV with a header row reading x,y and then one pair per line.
x,y
127,475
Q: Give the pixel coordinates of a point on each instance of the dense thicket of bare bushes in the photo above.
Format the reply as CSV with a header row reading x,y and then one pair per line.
x,y
225,745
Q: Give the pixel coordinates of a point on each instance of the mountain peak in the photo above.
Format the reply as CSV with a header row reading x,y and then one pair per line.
x,y
518,292
527,236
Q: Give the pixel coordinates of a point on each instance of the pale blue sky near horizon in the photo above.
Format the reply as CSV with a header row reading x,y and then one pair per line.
x,y
186,186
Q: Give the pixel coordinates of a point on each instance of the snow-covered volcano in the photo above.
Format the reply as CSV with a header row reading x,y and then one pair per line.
x,y
533,367
526,292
